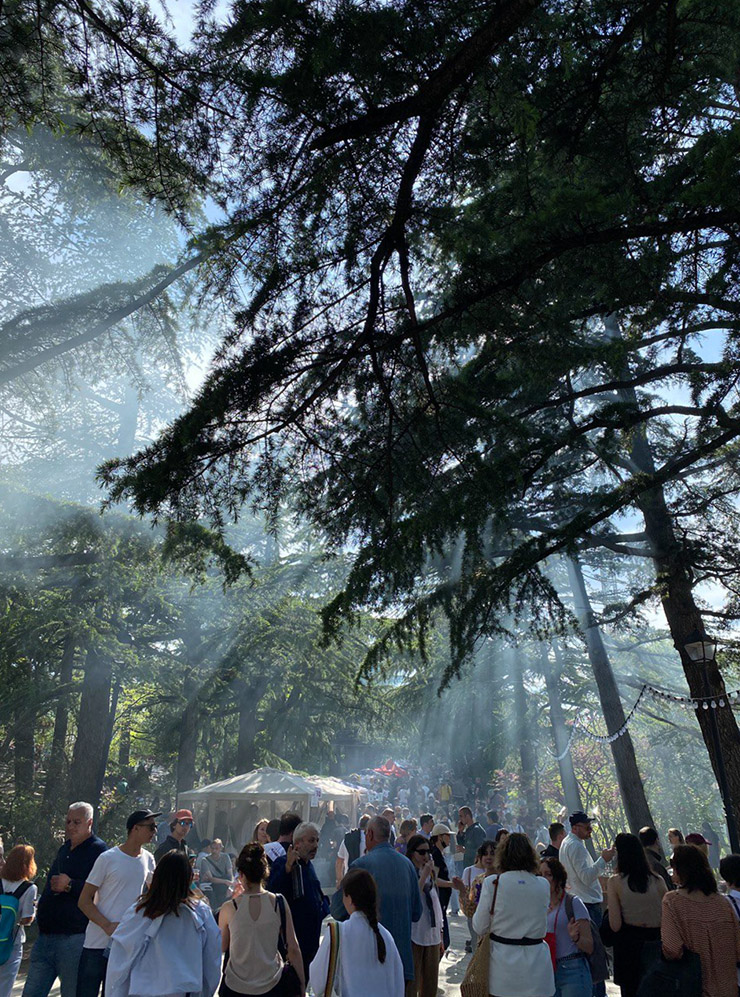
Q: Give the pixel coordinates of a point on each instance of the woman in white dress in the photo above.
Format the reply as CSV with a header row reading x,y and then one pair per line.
x,y
520,964
369,963
168,944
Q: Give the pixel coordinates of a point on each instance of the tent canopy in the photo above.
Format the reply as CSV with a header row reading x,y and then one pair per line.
x,y
260,782
229,808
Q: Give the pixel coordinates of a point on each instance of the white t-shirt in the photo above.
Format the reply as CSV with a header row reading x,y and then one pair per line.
x,y
120,880
25,905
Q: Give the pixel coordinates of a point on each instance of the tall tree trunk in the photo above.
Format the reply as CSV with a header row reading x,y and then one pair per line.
x,y
109,733
674,573
128,421
92,742
188,731
23,734
560,732
124,744
250,695
523,730
623,751
54,787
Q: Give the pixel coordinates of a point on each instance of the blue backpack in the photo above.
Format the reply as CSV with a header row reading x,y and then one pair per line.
x,y
9,918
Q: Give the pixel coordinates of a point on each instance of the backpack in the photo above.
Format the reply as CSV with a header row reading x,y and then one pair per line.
x,y
597,960
9,918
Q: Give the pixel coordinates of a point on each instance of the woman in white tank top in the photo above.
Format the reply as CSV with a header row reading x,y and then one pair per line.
x,y
251,935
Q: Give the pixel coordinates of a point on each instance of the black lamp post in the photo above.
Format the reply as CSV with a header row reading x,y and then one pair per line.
x,y
702,650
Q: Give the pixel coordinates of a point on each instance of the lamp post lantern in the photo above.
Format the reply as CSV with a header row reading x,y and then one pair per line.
x,y
702,650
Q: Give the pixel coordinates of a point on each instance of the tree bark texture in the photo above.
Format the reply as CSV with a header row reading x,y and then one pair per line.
x,y
523,732
674,574
55,770
560,732
188,732
623,751
23,736
250,695
92,742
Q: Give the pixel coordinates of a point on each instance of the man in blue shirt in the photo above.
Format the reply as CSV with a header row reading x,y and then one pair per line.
x,y
399,897
294,876
62,925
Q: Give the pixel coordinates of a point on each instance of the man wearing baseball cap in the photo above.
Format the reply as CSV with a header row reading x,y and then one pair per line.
x,y
115,882
180,826
583,872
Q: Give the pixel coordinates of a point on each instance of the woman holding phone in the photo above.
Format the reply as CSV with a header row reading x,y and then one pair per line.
x,y
427,944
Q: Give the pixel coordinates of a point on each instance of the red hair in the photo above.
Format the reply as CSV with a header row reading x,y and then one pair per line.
x,y
20,863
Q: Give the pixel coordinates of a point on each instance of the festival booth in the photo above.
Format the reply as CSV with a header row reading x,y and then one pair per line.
x,y
229,809
343,797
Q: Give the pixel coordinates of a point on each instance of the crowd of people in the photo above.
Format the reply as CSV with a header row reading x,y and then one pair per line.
x,y
558,919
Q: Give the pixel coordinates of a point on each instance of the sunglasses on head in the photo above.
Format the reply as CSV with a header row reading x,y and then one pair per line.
x,y
185,823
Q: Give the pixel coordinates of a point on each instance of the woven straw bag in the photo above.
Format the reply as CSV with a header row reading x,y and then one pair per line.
x,y
475,981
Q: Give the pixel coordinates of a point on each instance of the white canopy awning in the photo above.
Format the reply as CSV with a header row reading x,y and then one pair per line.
x,y
260,782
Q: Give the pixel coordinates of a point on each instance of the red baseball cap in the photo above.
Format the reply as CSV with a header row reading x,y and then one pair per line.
x,y
183,815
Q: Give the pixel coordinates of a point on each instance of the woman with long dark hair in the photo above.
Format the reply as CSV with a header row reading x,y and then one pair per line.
x,y
634,896
369,963
427,943
696,918
168,944
251,928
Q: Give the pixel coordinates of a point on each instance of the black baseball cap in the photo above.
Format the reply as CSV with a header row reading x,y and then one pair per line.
x,y
580,817
138,817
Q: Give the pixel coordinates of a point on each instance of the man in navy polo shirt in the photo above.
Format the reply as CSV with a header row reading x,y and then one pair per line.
x,y
62,925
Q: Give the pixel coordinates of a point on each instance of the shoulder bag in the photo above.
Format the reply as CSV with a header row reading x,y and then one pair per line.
x,y
475,981
332,976
597,959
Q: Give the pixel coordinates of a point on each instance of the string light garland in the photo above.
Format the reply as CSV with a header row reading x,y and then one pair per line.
x,y
659,695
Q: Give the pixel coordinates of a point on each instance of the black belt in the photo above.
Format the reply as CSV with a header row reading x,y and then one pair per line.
x,y
573,955
516,941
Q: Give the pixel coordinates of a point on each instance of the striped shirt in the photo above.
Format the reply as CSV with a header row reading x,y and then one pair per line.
x,y
705,925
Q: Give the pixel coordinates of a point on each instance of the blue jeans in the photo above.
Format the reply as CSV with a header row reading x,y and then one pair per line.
x,y
9,969
91,974
573,979
596,913
54,956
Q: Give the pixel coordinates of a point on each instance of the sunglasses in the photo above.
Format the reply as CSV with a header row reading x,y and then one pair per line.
x,y
422,851
185,823
149,827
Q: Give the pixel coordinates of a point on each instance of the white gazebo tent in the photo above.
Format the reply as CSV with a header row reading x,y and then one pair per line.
x,y
343,795
229,809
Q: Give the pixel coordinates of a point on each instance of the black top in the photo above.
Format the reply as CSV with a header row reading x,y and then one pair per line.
x,y
58,913
551,852
439,863
170,844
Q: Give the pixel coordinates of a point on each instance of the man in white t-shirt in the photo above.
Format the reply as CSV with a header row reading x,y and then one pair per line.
x,y
115,883
583,872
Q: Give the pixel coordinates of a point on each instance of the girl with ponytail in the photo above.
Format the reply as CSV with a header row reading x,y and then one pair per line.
x,y
367,962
